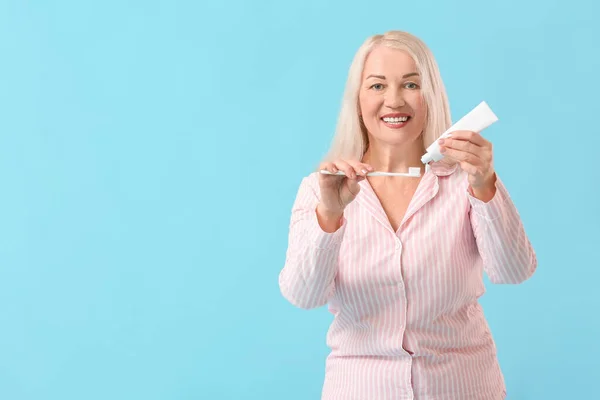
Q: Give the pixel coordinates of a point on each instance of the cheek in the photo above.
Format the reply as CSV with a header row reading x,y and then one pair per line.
x,y
419,106
369,105
419,103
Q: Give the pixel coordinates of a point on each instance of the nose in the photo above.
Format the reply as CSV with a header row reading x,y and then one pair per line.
x,y
394,98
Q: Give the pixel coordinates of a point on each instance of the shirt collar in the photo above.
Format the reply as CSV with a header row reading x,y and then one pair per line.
x,y
441,168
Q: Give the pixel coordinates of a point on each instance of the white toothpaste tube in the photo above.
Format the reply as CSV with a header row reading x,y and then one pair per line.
x,y
476,120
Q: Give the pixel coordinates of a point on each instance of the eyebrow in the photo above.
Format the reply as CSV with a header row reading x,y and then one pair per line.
x,y
383,77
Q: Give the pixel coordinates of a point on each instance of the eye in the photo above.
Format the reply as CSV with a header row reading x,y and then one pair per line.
x,y
377,86
411,85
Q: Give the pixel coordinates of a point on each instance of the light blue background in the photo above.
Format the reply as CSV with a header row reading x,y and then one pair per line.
x,y
150,154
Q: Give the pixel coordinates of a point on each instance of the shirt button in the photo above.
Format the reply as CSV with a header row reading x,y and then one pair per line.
x,y
398,245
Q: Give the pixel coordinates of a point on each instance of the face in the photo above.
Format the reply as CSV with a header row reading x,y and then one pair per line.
x,y
390,98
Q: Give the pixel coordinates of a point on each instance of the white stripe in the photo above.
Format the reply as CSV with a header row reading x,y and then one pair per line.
x,y
429,290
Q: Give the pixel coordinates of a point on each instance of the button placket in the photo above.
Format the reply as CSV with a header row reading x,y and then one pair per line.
x,y
398,244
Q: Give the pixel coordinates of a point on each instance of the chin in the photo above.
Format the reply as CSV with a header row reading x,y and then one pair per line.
x,y
396,137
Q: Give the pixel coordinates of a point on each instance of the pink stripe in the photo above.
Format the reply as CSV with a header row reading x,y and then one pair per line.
x,y
419,298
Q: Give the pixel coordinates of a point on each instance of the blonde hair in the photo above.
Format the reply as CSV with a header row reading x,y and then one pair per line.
x,y
351,140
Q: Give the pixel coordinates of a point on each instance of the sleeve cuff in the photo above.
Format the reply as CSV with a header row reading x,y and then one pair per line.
x,y
492,209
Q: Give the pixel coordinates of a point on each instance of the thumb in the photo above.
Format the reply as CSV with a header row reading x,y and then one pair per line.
x,y
353,187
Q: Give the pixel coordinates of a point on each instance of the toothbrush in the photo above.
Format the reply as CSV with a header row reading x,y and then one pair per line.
x,y
412,172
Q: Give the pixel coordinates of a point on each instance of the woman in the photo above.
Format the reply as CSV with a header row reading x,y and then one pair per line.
x,y
400,260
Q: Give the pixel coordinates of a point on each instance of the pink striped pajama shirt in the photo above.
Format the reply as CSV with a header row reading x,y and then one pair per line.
x,y
407,322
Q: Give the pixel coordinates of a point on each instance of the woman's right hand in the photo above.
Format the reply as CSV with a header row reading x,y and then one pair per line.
x,y
337,191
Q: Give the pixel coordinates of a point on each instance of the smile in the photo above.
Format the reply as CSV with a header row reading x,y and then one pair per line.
x,y
395,121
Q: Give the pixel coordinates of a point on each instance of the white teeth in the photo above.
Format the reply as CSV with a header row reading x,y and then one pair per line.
x,y
395,120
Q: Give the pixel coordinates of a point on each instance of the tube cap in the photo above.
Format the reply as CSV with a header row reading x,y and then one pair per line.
x,y
426,159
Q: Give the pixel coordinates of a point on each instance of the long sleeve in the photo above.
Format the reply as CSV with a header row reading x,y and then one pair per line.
x,y
507,254
307,278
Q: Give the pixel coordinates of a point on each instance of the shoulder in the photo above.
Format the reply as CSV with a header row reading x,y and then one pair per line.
x,y
308,190
310,181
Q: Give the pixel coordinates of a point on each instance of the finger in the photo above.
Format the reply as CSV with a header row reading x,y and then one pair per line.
x,y
484,153
329,166
469,168
353,186
359,168
368,167
461,144
470,136
460,155
347,168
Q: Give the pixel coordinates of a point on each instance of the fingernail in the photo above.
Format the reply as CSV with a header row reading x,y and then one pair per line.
x,y
443,150
364,171
441,141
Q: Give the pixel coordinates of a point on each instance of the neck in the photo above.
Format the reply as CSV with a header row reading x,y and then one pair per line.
x,y
395,158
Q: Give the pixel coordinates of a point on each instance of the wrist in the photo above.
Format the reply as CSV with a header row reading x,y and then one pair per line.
x,y
484,195
329,220
484,192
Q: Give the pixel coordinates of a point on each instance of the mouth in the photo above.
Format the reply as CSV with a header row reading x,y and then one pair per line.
x,y
395,121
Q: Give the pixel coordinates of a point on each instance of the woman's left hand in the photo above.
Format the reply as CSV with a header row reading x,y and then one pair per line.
x,y
475,155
